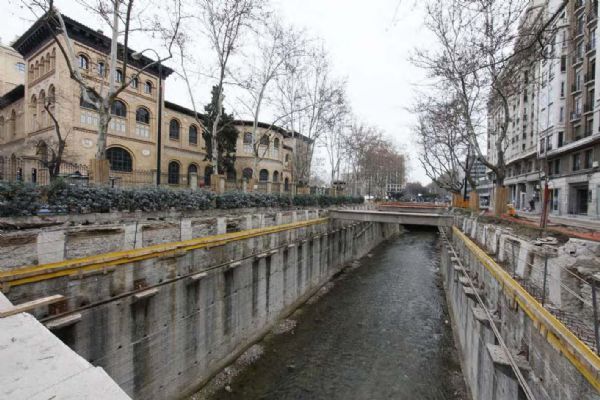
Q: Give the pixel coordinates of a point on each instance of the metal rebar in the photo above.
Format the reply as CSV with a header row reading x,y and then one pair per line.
x,y
545,279
595,307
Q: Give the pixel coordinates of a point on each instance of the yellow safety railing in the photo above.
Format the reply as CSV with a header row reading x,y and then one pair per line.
x,y
555,332
36,273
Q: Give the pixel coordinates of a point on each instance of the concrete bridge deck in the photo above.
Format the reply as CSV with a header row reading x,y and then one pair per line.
x,y
394,217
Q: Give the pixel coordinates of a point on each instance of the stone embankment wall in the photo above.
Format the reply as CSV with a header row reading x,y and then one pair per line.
x,y
162,320
553,361
41,240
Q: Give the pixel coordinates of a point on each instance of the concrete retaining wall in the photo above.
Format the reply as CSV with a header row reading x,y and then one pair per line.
x,y
555,365
75,236
161,326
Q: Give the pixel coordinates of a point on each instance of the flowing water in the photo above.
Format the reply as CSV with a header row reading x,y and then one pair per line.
x,y
382,332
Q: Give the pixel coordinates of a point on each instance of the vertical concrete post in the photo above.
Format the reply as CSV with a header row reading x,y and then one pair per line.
x,y
132,237
221,225
244,186
50,246
278,218
269,187
186,228
247,223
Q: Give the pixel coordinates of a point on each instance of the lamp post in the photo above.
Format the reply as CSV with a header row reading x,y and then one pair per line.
x,y
137,56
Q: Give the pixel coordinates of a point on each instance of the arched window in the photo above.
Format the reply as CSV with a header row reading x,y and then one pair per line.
x,y
119,109
276,148
101,68
263,175
192,169
134,83
142,115
42,66
42,151
264,140
247,173
286,185
173,173
276,176
119,159
83,62
207,175
86,104
42,109
12,125
231,175
174,129
33,111
248,142
148,87
193,135
37,70
53,59
118,76
31,72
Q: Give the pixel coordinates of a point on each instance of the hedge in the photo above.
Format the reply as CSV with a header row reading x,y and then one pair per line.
x,y
18,199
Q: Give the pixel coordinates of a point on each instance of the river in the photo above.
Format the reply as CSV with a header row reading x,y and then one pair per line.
x,y
381,332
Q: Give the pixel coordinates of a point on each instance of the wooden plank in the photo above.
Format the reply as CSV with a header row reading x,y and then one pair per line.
x,y
64,321
197,277
30,305
145,294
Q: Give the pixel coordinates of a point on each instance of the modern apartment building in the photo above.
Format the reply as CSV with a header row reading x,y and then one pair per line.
x,y
27,132
554,132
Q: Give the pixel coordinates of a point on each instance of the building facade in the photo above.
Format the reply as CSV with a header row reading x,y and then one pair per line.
x,y
554,133
45,89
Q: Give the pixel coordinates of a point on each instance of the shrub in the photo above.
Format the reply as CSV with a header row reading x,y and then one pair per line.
x,y
245,200
18,199
82,199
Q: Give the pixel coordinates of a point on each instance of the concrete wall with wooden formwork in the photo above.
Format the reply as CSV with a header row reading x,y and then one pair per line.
x,y
161,320
554,363
42,240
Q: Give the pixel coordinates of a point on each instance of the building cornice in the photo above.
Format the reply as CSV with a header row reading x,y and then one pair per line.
x,y
41,32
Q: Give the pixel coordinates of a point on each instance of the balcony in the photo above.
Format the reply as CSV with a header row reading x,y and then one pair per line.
x,y
588,107
592,16
575,116
589,78
575,88
590,47
577,60
579,6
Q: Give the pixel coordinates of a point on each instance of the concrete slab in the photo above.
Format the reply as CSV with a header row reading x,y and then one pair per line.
x,y
403,218
37,365
499,357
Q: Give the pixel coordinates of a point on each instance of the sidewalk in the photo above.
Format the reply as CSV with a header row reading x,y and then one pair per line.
x,y
572,220
572,226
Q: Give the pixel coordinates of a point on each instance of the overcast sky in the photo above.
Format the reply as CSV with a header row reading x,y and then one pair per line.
x,y
369,41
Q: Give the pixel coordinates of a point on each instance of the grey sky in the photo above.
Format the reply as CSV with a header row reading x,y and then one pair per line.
x,y
369,42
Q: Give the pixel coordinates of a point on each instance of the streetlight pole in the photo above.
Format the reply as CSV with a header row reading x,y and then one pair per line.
x,y
137,56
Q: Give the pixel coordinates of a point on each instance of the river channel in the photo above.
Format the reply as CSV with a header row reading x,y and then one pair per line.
x,y
381,332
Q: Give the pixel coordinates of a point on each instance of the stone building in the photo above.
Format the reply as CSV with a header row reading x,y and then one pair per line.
x,y
12,69
554,132
27,132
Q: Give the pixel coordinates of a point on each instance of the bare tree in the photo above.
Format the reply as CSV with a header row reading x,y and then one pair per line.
x,y
484,48
310,97
444,152
334,139
276,47
120,15
224,23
